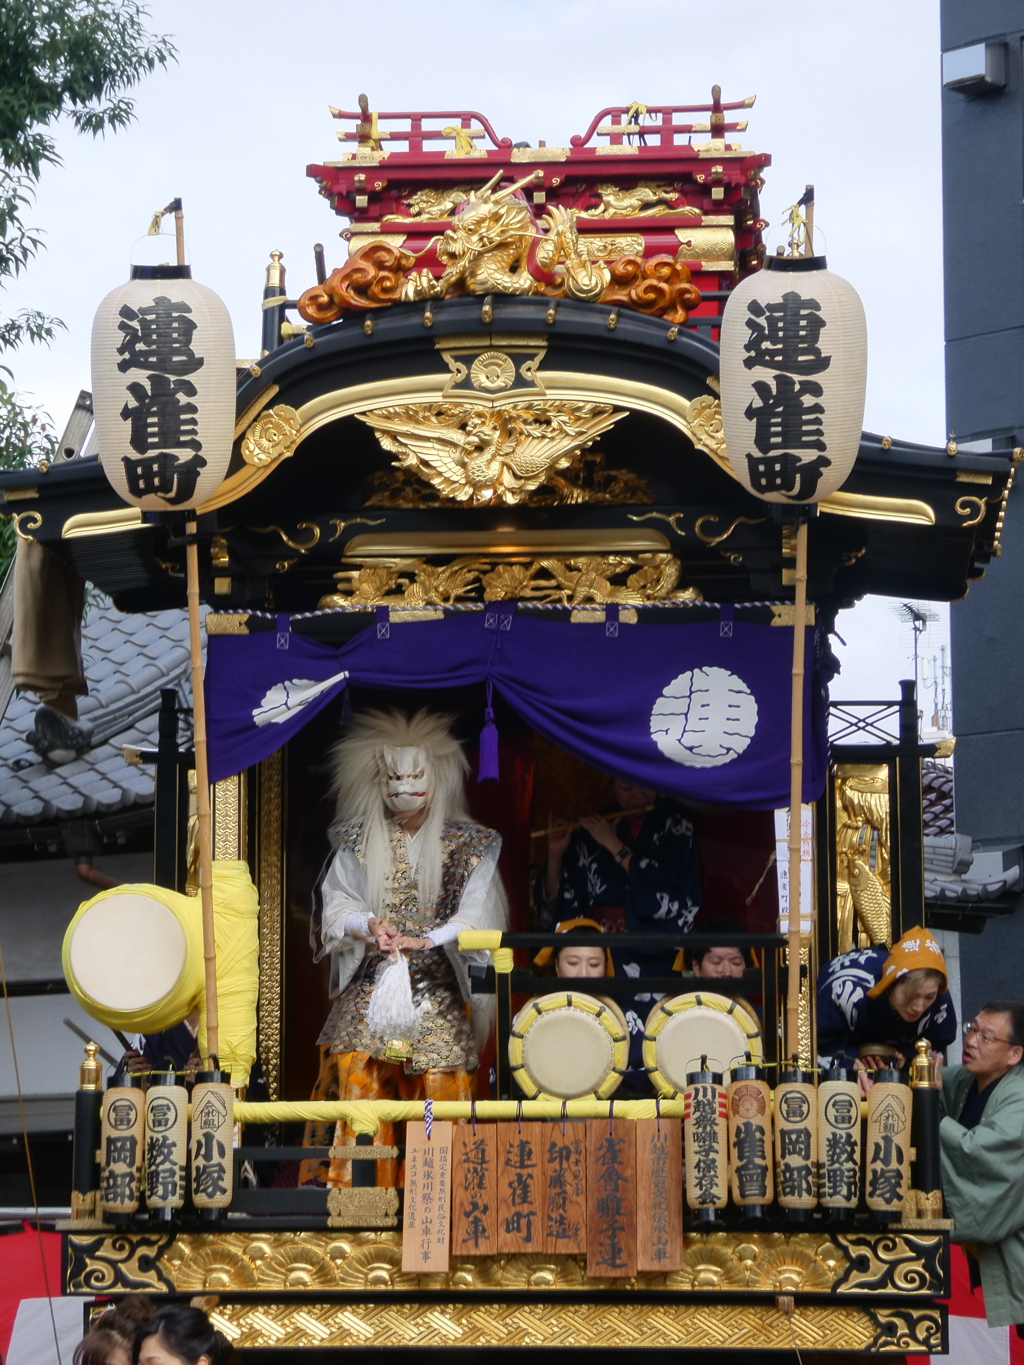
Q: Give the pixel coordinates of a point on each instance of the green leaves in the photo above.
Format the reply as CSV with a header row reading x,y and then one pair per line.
x,y
58,58
74,57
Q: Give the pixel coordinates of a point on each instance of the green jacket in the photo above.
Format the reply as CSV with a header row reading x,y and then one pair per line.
x,y
983,1185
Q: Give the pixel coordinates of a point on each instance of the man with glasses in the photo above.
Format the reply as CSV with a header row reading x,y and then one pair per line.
x,y
982,1144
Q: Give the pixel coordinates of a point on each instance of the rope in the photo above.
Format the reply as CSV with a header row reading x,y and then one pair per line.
x,y
28,1156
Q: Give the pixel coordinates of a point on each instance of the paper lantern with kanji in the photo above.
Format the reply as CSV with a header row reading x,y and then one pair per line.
x,y
163,381
793,374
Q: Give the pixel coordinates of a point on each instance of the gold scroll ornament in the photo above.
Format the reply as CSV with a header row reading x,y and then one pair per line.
x,y
571,580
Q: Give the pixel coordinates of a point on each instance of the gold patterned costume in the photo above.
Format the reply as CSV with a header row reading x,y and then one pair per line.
x,y
442,1057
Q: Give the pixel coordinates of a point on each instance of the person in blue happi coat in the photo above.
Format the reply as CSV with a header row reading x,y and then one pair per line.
x,y
874,1004
635,867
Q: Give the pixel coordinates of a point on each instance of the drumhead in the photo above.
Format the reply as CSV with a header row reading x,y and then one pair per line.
x,y
681,1030
150,940
567,1045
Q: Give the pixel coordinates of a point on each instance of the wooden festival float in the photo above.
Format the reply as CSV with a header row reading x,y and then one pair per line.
x,y
500,414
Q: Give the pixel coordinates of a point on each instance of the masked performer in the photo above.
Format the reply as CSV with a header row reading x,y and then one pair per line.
x,y
411,870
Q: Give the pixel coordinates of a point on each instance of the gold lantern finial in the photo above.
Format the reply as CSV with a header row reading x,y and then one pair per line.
x,y
275,272
922,1068
90,1070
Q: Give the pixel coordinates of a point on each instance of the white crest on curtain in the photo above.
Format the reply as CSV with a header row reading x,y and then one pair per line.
x,y
285,698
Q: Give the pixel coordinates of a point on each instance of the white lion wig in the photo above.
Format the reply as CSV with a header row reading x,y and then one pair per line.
x,y
359,767
358,771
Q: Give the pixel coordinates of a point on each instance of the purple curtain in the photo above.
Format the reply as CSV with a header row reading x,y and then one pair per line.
x,y
700,711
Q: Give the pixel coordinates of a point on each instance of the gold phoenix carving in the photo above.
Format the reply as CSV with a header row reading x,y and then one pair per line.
x,y
568,581
909,1264
585,479
863,870
481,455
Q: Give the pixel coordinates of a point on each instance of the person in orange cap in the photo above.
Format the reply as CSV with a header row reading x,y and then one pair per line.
x,y
874,1004
575,959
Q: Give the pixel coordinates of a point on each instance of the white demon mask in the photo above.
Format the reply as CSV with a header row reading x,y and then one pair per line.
x,y
407,781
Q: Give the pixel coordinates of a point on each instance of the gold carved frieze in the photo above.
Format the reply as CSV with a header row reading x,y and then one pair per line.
x,y
481,455
645,199
725,1326
839,1264
631,579
863,868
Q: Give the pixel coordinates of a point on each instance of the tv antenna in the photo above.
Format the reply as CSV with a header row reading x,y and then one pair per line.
x,y
919,619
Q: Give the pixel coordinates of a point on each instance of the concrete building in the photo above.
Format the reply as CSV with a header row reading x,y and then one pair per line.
x,y
983,225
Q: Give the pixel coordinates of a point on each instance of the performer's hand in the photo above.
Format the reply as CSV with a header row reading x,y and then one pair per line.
x,y
384,932
558,842
863,1066
404,944
603,831
134,1062
937,1060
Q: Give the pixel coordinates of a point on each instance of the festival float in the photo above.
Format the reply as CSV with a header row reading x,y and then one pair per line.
x,y
559,451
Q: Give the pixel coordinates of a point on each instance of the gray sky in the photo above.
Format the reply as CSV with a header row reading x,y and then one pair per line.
x,y
848,98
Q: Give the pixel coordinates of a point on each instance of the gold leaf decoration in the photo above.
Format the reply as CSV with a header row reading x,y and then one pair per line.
x,y
707,1266
479,455
273,436
375,1267
215,1268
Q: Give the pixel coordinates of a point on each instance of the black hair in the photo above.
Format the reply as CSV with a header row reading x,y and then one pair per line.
x,y
1015,1012
557,948
186,1333
717,925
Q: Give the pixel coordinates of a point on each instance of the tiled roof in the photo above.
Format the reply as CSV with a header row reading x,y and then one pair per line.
x,y
937,797
954,873
128,659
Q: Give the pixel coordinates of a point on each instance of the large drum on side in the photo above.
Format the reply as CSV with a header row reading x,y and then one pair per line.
x,y
685,1028
568,1046
133,957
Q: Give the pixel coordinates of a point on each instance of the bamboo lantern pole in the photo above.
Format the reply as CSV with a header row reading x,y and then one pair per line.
x,y
796,783
202,789
796,751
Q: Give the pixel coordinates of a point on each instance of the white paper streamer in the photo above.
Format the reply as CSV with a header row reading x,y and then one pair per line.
x,y
391,1013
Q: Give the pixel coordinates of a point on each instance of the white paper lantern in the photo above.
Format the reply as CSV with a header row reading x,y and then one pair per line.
x,y
793,372
163,382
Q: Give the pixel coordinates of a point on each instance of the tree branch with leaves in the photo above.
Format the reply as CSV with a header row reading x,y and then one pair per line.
x,y
71,59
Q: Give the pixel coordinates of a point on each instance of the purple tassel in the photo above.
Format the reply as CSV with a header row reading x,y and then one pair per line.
x,y
487,768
